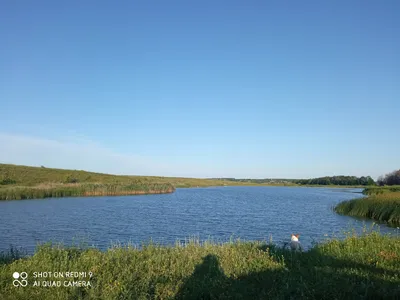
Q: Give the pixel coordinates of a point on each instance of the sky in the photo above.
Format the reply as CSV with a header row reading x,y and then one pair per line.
x,y
245,89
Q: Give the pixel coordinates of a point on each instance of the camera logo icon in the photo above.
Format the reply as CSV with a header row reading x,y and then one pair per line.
x,y
22,276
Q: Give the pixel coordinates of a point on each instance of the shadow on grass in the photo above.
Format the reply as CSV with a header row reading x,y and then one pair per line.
x,y
309,275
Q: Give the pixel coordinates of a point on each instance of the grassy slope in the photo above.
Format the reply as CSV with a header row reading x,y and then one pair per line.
x,y
35,182
31,176
380,206
23,182
356,268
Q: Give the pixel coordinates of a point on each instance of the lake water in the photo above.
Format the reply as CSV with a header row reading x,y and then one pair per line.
x,y
251,213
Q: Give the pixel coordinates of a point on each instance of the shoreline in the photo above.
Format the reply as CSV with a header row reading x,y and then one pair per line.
x,y
247,270
278,185
81,190
43,191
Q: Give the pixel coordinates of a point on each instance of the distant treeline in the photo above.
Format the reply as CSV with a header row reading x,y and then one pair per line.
x,y
338,180
327,180
392,178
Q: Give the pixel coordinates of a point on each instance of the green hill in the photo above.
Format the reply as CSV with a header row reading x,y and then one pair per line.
x,y
23,182
16,175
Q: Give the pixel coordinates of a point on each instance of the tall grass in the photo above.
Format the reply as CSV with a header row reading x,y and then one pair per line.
x,y
381,207
375,190
357,268
86,189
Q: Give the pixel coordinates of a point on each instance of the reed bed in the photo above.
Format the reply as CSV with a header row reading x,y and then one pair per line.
x,y
383,207
86,189
359,267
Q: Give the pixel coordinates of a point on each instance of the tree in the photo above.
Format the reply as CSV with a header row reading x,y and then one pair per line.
x,y
370,181
392,178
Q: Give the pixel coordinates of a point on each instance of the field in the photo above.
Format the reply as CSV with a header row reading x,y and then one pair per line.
x,y
383,206
356,268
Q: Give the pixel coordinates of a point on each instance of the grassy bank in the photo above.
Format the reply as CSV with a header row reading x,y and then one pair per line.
x,y
356,268
85,189
23,182
376,190
383,207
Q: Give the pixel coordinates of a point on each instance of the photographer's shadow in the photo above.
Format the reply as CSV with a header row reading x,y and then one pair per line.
x,y
207,281
306,275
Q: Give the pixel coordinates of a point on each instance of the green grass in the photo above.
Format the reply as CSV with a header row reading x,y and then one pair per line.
x,y
374,190
22,182
32,176
383,207
363,267
16,175
85,189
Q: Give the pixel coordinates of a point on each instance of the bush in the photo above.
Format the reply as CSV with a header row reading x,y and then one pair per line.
x,y
7,181
71,179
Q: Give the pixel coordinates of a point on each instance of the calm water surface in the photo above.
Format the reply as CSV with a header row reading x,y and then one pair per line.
x,y
251,213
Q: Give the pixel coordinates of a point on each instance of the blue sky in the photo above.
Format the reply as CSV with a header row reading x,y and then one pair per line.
x,y
257,89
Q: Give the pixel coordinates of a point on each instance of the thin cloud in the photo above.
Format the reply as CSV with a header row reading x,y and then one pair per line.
x,y
80,154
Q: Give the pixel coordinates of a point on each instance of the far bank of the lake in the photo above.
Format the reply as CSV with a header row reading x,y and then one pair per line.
x,y
60,190
26,182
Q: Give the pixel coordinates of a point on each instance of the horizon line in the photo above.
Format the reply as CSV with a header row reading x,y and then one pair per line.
x,y
209,178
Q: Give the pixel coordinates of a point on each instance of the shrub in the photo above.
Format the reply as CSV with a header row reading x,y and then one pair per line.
x,y
7,181
71,179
